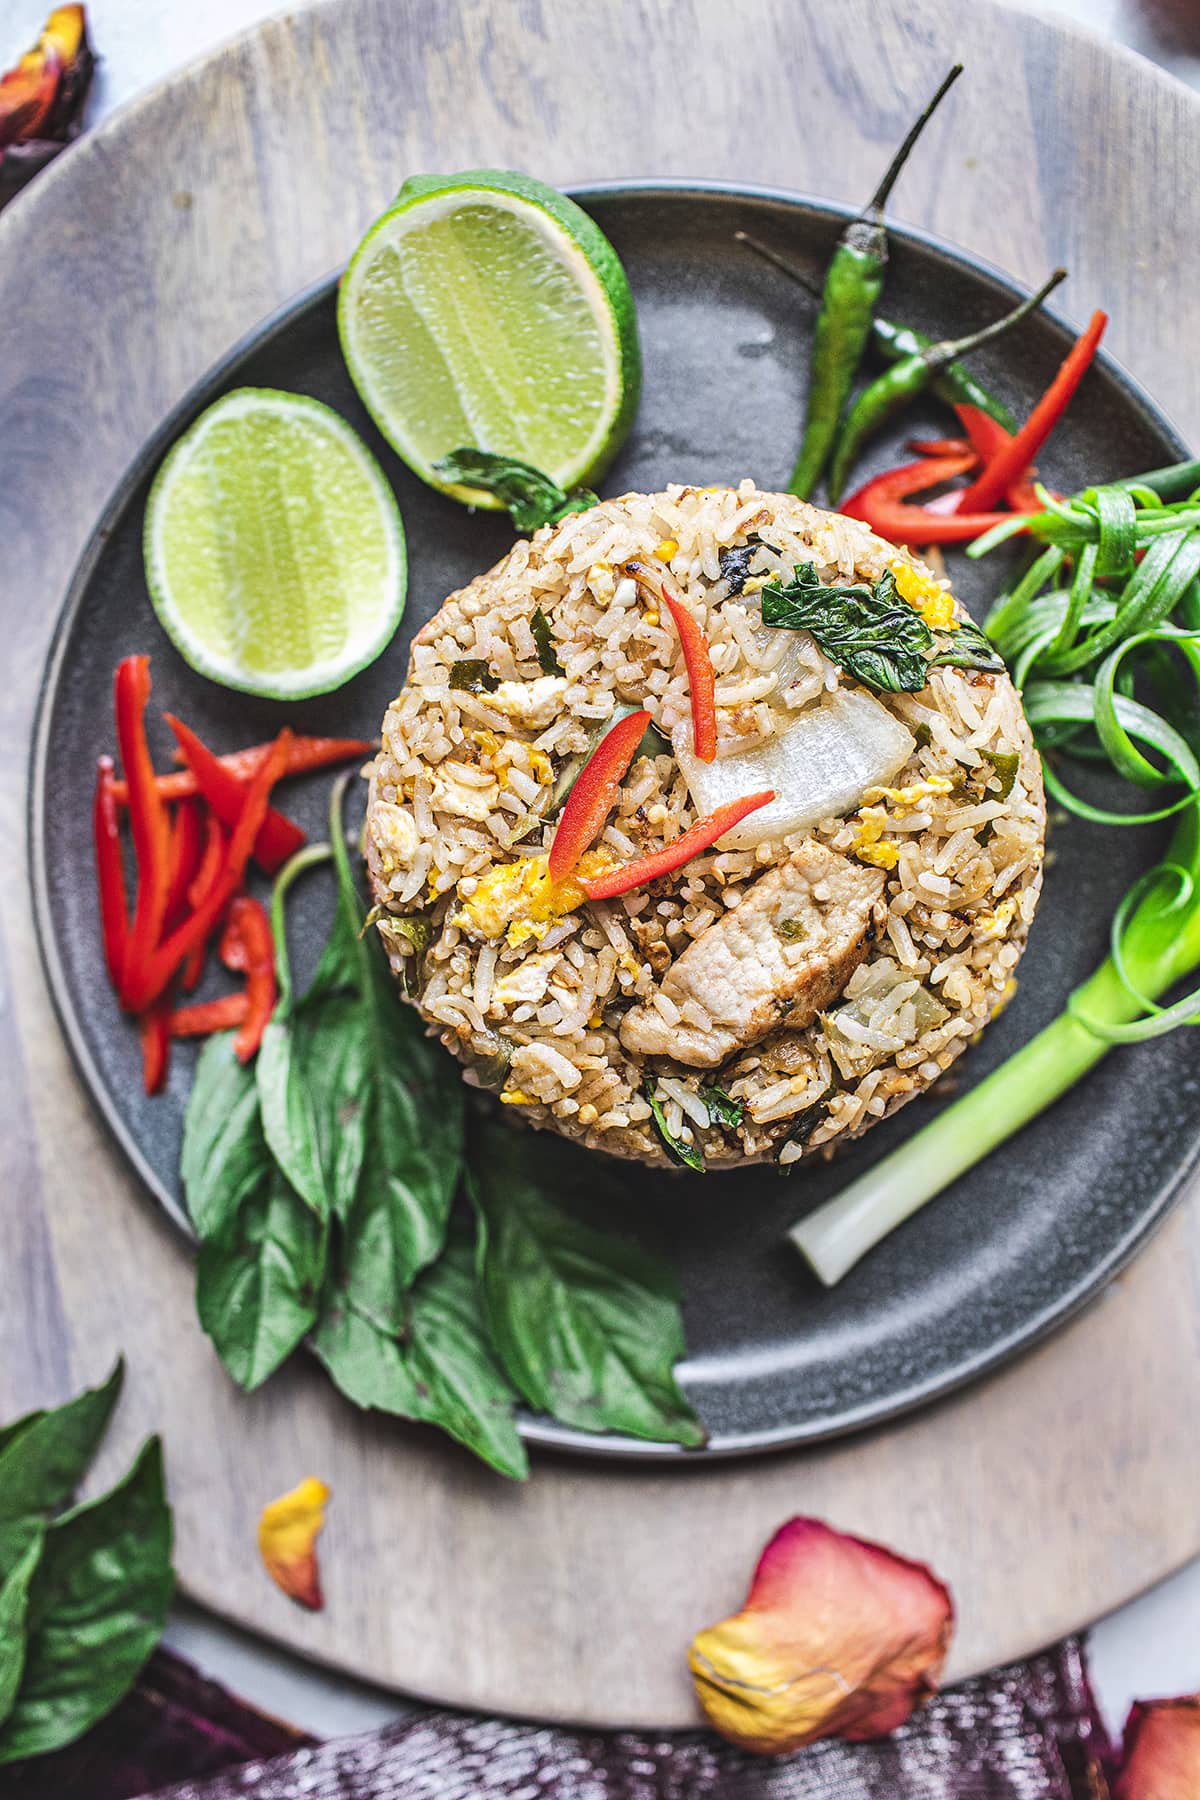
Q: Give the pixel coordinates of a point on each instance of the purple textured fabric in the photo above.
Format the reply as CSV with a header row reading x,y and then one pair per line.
x,y
174,1723
1028,1732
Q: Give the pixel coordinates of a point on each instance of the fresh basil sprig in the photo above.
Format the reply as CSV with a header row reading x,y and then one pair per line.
x,y
690,1155
543,637
969,648
872,633
532,498
83,1593
587,1324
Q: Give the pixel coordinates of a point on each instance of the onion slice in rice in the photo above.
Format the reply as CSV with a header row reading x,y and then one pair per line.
x,y
820,766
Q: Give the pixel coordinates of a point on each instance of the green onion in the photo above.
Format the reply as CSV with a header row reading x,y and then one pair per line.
x,y
1110,604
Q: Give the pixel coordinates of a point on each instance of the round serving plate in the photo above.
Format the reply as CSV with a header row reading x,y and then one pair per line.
x,y
1014,1247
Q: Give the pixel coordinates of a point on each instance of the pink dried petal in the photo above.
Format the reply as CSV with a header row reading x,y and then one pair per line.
x,y
838,1638
1162,1751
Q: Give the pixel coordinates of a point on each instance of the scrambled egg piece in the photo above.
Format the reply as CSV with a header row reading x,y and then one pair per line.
x,y
519,901
530,703
396,837
995,924
906,798
870,845
933,603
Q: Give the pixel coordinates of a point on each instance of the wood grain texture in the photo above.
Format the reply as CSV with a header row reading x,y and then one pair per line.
x,y
1045,1496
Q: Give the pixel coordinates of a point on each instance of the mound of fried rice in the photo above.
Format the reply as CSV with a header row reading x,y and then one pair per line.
x,y
532,998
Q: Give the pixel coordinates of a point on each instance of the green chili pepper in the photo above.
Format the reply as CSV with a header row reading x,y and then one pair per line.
x,y
891,341
891,391
853,284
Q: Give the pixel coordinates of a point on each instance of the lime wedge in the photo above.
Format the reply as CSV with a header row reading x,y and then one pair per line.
x,y
488,310
274,548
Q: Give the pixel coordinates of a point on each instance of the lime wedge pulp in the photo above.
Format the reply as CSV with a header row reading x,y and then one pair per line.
x,y
488,310
274,548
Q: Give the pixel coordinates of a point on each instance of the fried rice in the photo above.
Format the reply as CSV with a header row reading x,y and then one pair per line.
x,y
530,984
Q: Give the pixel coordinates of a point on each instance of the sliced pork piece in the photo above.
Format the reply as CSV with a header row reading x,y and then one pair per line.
x,y
780,957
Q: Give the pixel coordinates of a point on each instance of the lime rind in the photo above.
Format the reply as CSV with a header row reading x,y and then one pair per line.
x,y
579,246
371,626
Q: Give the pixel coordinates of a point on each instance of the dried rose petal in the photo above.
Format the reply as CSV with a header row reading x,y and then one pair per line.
x,y
287,1541
1162,1751
41,98
838,1638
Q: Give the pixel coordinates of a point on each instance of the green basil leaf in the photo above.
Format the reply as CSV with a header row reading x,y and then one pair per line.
x,y
313,1072
460,1385
442,1371
473,675
224,1154
734,563
543,637
14,1599
44,1460
368,1365
258,1283
690,1155
587,1325
969,648
97,1607
532,498
10,1433
723,1109
413,1153
872,633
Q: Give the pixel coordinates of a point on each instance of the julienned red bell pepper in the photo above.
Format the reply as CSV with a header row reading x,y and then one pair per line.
x,y
204,1017
187,845
594,793
696,656
699,837
1009,464
110,872
278,839
154,1027
149,822
210,867
153,976
248,945
307,755
885,506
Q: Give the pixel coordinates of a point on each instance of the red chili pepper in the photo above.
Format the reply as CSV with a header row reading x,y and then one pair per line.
x,y
698,837
696,657
187,844
247,944
154,1026
206,1016
1008,465
279,837
989,437
149,822
939,446
154,976
308,753
883,504
110,873
591,799
210,867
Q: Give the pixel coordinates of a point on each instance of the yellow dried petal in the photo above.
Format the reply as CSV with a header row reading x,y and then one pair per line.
x,y
287,1540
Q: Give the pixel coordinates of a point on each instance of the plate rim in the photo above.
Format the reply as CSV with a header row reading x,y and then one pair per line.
x,y
535,1430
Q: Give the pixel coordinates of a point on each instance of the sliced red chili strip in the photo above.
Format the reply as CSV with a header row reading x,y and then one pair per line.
x,y
195,931
204,1017
154,1027
883,504
1010,462
990,437
149,821
696,657
247,944
210,867
697,838
110,872
594,793
278,839
308,754
939,446
187,848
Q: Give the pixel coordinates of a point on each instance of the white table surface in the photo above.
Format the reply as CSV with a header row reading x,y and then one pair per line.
x,y
1151,1646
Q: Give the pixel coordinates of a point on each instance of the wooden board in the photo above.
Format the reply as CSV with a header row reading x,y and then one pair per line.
x,y
1045,1496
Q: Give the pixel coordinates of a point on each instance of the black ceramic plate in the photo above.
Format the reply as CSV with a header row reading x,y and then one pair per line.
x,y
1013,1248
